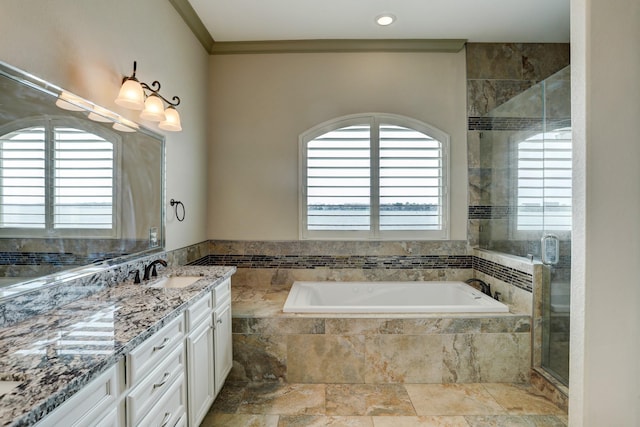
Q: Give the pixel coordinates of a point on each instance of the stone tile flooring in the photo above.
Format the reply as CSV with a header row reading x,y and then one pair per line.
x,y
382,405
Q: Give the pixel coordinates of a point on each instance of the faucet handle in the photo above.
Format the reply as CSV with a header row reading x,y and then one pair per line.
x,y
136,279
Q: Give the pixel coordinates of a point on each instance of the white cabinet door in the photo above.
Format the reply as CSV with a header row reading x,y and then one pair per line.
x,y
201,371
222,343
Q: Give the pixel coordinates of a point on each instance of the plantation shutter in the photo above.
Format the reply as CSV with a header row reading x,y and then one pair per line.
x,y
338,180
373,177
83,180
56,178
411,181
544,182
22,169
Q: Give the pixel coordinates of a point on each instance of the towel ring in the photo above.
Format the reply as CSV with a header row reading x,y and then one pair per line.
x,y
175,204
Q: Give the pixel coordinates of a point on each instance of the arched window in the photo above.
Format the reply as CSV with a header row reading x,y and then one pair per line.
x,y
374,176
57,176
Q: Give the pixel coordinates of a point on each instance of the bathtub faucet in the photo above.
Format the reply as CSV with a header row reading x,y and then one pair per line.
x,y
485,288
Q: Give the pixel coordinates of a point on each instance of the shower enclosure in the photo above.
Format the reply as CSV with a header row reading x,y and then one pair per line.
x,y
526,177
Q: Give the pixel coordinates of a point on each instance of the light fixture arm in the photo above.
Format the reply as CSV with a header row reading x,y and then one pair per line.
x,y
137,95
154,88
156,91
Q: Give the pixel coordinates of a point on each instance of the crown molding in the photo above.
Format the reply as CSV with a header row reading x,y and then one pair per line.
x,y
338,45
191,18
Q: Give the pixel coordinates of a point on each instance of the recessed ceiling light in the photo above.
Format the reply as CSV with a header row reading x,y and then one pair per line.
x,y
385,19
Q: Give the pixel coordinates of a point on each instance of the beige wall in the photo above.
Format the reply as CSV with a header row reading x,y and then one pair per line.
x,y
87,46
261,103
605,296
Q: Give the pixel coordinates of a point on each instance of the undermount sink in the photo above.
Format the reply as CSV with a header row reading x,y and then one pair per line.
x,y
174,282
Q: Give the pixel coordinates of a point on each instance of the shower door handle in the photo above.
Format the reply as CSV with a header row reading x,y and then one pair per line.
x,y
550,248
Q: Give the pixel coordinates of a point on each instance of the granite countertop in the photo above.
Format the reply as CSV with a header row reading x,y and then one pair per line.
x,y
55,354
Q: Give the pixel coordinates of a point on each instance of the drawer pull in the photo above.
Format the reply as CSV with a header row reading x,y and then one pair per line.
x,y
165,378
163,345
219,321
165,419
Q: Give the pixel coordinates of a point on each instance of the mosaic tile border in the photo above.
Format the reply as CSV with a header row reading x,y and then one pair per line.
x,y
490,212
53,258
509,275
515,123
339,262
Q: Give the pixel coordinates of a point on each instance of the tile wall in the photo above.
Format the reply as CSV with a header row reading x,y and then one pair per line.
x,y
496,73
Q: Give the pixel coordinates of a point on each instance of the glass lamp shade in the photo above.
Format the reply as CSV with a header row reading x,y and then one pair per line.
x,y
99,114
172,120
153,109
71,102
125,125
131,95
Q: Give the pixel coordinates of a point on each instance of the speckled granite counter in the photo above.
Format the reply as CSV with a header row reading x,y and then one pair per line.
x,y
55,354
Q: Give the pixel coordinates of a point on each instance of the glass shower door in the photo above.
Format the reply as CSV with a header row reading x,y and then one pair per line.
x,y
526,179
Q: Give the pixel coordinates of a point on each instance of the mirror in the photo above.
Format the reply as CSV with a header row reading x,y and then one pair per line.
x,y
80,187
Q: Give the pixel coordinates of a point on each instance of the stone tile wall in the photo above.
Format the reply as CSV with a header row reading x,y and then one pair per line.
x,y
496,73
375,351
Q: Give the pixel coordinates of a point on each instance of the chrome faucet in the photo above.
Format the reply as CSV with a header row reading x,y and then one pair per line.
x,y
150,270
485,288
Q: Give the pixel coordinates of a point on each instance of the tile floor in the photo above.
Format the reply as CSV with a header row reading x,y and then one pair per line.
x,y
382,405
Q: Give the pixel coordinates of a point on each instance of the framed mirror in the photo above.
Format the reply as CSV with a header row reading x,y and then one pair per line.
x,y
81,188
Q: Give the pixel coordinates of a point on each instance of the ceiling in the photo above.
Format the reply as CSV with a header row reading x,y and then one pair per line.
x,y
525,21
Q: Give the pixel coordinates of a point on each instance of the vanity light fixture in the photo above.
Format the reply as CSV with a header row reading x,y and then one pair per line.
x,y
70,102
385,19
136,95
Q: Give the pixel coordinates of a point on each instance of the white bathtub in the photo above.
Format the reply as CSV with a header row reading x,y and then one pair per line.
x,y
389,297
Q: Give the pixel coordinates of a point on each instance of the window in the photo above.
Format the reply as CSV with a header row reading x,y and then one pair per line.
x,y
544,182
55,178
374,177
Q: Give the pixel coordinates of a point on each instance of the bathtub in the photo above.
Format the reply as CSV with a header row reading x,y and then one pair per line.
x,y
389,297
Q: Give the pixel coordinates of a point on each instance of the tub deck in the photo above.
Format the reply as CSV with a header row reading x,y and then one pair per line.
x,y
324,348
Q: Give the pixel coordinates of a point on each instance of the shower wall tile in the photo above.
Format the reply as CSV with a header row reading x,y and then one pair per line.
x,y
540,60
496,72
474,159
484,95
479,186
516,61
494,61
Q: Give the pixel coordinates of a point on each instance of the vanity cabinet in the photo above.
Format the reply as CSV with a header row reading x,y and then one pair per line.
x,y
209,351
222,333
155,374
97,404
170,379
200,359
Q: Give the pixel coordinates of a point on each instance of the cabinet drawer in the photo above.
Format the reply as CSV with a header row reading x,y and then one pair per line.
x,y
150,353
171,409
199,311
222,292
153,388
